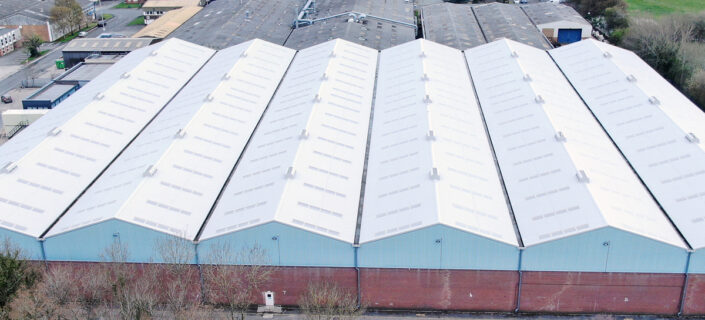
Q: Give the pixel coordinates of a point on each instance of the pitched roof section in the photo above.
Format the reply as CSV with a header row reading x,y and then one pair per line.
x,y
452,24
430,161
36,188
563,174
659,130
547,12
303,166
167,23
170,176
499,20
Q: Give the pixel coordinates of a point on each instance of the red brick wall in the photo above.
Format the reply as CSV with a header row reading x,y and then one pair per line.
x,y
27,31
695,296
586,292
439,289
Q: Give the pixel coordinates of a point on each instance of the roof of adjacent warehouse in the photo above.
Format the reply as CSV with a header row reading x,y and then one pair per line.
x,y
499,20
660,132
563,174
44,181
430,161
170,3
370,33
84,72
225,23
304,164
106,44
172,173
452,24
167,23
548,12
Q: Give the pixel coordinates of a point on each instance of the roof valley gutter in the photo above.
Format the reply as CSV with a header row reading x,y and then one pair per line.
x,y
244,149
123,149
356,243
668,217
494,156
482,31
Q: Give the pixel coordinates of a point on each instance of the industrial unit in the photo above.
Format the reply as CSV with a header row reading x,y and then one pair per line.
x,y
442,172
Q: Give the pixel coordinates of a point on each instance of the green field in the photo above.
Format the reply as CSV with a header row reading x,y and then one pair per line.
x,y
663,7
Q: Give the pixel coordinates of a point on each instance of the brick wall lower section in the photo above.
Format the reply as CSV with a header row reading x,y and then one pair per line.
x,y
29,30
469,290
439,289
695,295
591,292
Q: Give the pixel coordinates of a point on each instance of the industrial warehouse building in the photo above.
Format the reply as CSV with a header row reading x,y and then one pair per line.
x,y
502,178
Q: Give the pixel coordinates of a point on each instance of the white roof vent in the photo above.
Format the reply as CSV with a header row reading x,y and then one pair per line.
x,y
423,55
180,134
290,172
527,78
427,99
150,172
655,101
434,174
303,135
692,138
582,177
430,135
607,54
153,53
515,54
125,75
226,76
55,131
560,137
208,98
99,96
243,55
631,78
332,54
317,98
9,167
425,77
324,77
539,99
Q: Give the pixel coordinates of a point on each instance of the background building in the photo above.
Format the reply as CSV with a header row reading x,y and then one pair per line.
x,y
32,17
9,40
78,50
558,22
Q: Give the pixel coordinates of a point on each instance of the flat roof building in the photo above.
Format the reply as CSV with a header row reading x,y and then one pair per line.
x,y
558,22
499,20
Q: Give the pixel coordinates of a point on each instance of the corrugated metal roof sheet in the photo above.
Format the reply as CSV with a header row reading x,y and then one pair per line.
x,y
304,163
170,176
659,130
106,44
37,188
430,161
167,23
563,174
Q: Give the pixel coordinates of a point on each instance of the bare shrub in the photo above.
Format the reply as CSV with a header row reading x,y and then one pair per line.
x,y
328,301
232,278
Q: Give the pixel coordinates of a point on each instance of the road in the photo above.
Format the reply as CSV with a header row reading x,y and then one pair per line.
x,y
118,24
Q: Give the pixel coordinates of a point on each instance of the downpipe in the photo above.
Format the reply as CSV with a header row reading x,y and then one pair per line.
x,y
357,272
685,284
518,303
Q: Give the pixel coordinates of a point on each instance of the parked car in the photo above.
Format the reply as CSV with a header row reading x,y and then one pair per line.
x,y
102,23
82,34
105,35
6,99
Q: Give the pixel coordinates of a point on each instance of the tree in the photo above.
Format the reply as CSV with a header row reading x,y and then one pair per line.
x,y
133,289
67,15
232,278
327,301
177,253
53,298
594,8
15,272
31,45
696,88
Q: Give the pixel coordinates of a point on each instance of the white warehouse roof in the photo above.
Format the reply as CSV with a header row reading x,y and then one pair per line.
x,y
660,132
430,161
563,174
304,164
172,173
44,182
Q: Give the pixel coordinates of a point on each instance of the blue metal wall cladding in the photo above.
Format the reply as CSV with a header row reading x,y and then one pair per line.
x,y
439,247
697,262
29,246
286,246
605,250
91,242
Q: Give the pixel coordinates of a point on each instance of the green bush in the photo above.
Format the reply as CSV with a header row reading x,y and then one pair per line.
x,y
14,273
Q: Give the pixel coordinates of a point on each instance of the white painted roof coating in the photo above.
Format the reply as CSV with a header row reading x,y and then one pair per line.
x,y
31,136
563,174
46,180
193,146
658,130
426,118
303,166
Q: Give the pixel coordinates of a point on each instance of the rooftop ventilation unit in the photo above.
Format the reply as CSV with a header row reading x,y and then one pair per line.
x,y
290,172
539,99
427,99
430,135
55,131
582,177
9,167
303,135
434,174
631,78
150,172
655,101
692,138
560,137
180,134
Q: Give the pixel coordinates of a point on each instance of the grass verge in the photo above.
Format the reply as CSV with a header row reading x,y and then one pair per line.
x,y
138,21
658,8
123,5
30,59
70,36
